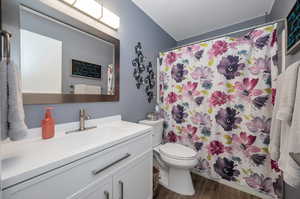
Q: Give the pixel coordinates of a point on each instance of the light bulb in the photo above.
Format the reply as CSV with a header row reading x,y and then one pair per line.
x,y
90,7
110,18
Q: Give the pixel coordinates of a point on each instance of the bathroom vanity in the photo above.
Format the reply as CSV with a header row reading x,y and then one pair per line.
x,y
112,161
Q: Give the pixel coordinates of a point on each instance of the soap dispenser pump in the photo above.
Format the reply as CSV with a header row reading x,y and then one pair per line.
x,y
48,125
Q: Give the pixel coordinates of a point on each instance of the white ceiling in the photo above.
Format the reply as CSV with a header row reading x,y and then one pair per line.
x,y
183,19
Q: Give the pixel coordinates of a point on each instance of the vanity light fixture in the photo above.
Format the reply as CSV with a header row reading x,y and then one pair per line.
x,y
90,7
69,1
110,18
95,9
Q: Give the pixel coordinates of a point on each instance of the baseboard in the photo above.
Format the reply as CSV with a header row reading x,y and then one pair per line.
x,y
234,185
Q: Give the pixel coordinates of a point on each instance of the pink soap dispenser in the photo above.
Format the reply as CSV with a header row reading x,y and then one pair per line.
x,y
48,125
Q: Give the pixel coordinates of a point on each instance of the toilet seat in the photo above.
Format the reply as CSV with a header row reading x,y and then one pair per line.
x,y
177,151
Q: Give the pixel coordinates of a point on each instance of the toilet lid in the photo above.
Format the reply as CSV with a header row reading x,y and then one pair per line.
x,y
177,151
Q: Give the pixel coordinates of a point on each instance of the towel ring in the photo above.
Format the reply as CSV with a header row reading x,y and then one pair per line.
x,y
6,47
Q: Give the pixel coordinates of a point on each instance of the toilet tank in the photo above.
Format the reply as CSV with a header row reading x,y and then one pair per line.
x,y
157,130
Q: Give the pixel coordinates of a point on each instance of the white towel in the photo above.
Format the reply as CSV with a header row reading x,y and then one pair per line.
x,y
79,88
286,86
93,90
3,98
287,101
12,110
87,89
289,114
276,126
294,141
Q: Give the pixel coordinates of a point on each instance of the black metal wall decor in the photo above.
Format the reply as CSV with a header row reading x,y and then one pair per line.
x,y
143,72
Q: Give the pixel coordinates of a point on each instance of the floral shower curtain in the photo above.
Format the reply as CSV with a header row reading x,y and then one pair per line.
x,y
217,98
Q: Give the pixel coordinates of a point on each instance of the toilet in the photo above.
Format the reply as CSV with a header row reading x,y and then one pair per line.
x,y
174,161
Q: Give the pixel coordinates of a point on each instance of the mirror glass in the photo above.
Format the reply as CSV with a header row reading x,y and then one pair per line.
x,y
59,59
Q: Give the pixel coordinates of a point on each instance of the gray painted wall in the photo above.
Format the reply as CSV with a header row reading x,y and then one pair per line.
x,y
86,48
239,26
135,26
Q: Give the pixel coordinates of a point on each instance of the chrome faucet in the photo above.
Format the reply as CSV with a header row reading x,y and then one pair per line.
x,y
83,116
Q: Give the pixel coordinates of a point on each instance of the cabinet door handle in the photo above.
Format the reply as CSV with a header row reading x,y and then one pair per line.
x,y
106,193
97,171
122,189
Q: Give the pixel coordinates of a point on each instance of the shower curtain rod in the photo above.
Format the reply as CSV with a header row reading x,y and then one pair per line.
x,y
223,35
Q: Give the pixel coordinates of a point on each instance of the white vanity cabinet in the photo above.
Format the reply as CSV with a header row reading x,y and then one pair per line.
x,y
98,190
133,181
122,171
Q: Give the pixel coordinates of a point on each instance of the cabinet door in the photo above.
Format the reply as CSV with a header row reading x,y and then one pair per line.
x,y
135,180
101,189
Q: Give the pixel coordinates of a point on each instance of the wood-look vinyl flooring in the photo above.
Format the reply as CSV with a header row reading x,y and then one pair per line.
x,y
206,189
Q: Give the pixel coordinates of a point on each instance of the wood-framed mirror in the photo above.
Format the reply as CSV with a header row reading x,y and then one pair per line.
x,y
61,59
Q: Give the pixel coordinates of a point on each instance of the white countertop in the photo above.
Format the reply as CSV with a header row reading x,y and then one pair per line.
x,y
28,158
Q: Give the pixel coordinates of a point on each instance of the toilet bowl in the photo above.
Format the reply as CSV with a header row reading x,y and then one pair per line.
x,y
174,161
179,160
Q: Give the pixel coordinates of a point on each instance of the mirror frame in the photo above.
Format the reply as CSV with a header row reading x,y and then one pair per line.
x,y
11,23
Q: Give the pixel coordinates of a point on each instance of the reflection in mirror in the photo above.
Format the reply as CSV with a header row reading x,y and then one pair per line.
x,y
60,59
41,61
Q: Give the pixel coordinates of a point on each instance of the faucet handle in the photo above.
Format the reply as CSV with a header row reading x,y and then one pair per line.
x,y
82,112
84,115
87,116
